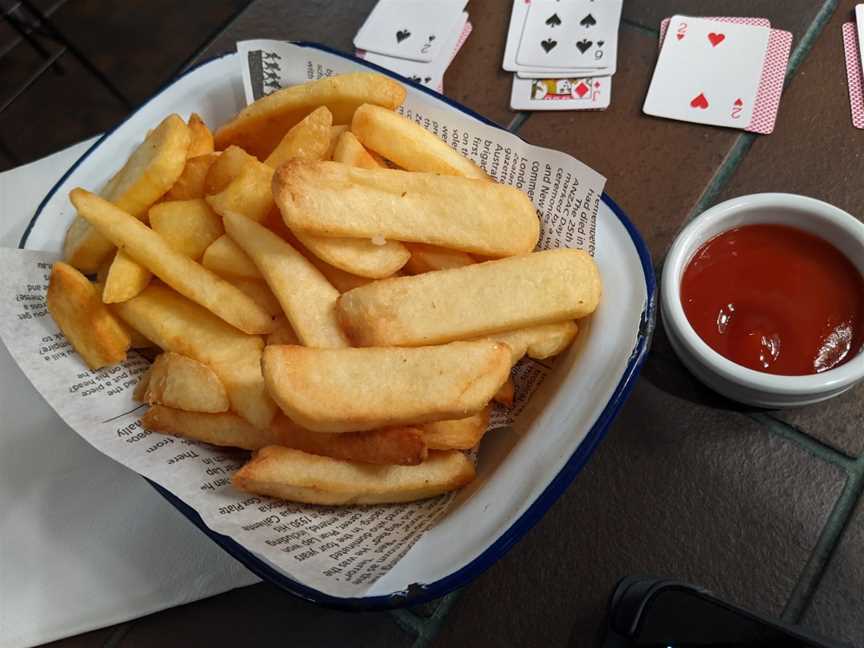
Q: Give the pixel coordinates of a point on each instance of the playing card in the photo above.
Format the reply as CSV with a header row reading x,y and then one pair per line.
x,y
580,33
859,23
412,29
854,74
589,93
428,74
771,83
557,73
709,73
737,20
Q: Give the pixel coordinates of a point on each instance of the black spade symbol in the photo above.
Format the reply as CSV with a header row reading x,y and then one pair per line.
x,y
588,21
584,45
431,37
548,45
402,34
600,43
553,20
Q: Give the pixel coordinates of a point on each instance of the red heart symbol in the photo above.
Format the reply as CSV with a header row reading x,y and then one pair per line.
x,y
699,101
679,36
716,39
581,89
738,102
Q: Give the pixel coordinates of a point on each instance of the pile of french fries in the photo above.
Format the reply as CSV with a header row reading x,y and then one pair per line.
x,y
331,286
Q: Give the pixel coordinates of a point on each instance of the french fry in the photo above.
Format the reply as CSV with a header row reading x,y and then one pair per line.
x,y
408,144
125,279
259,127
306,297
332,199
478,300
335,133
348,390
226,258
177,324
459,434
309,139
190,185
146,247
77,308
302,477
261,294
201,138
139,394
188,226
425,258
350,151
249,194
506,395
149,172
225,429
283,333
183,383
230,164
539,342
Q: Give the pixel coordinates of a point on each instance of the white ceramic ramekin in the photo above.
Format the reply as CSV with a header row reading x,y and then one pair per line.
x,y
834,225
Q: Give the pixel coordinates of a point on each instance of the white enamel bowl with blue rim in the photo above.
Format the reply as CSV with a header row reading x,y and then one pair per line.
x,y
521,472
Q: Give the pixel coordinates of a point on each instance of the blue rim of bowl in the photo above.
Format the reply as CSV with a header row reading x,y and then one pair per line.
x,y
417,593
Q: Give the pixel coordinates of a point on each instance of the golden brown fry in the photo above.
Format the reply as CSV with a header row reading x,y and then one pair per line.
x,y
259,127
346,390
190,185
425,258
306,297
146,247
283,333
177,324
302,477
506,395
335,133
125,279
309,139
149,172
230,164
408,144
77,308
350,151
261,294
184,383
226,258
139,394
332,199
188,226
459,434
225,429
201,138
478,300
539,342
249,194
341,280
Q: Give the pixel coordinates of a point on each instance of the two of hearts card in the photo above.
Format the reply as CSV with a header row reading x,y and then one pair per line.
x,y
722,71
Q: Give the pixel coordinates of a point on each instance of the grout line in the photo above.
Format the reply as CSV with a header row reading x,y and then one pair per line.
x,y
518,121
431,627
408,621
118,635
815,447
637,25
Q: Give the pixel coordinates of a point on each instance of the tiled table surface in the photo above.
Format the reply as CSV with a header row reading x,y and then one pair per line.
x,y
760,507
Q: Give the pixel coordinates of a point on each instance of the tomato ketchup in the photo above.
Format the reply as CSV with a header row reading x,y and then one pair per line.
x,y
775,299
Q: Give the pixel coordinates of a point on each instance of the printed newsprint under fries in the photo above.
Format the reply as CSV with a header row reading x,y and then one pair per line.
x,y
339,550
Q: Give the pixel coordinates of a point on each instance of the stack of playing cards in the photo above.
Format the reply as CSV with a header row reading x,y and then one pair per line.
x,y
415,38
563,53
720,71
853,43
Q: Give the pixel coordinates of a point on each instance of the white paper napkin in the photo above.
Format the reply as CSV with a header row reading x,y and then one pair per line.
x,y
84,542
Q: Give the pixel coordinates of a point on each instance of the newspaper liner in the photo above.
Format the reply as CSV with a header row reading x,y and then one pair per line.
x,y
341,551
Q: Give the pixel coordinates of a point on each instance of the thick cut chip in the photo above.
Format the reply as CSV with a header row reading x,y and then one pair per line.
x,y
346,390
477,300
259,127
350,151
507,394
459,434
149,173
283,333
409,145
191,183
186,384
332,199
539,342
201,138
149,249
307,298
188,226
77,308
261,294
226,258
125,279
335,133
177,324
425,258
298,476
139,394
230,164
249,194
308,140
224,429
